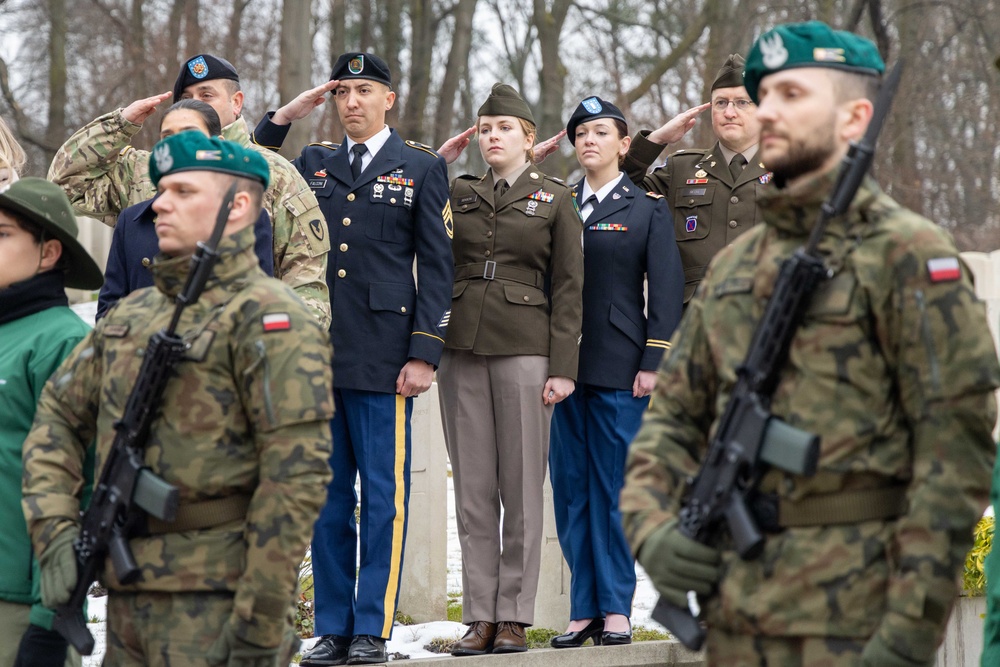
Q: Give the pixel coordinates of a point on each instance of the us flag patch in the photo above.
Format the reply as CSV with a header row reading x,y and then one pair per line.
x,y
277,322
944,269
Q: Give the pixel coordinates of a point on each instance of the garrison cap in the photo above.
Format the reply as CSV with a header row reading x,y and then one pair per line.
x,y
730,75
45,204
505,101
590,109
193,151
811,44
203,67
359,65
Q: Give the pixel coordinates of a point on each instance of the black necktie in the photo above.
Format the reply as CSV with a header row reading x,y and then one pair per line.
x,y
592,200
358,150
501,188
736,165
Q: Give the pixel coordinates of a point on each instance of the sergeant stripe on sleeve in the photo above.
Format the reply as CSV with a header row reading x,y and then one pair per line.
x,y
449,224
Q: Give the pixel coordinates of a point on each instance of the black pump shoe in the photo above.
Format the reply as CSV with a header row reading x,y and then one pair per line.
x,y
594,630
617,638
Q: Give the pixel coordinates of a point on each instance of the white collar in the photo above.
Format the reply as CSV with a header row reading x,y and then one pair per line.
x,y
373,144
586,191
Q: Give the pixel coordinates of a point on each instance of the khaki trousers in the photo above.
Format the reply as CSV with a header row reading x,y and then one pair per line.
x,y
497,433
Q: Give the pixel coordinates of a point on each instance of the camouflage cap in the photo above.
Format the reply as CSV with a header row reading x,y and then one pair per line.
x,y
193,151
811,44
590,109
203,67
730,75
45,204
505,101
359,65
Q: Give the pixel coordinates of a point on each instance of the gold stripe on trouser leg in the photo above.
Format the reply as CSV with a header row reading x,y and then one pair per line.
x,y
392,585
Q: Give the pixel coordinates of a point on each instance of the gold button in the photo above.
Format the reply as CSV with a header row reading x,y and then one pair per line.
x,y
487,253
350,197
145,261
733,224
402,309
342,273
343,247
347,222
734,200
489,233
392,200
526,297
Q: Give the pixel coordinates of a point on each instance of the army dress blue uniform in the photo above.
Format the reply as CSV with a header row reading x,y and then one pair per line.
x,y
627,237
396,210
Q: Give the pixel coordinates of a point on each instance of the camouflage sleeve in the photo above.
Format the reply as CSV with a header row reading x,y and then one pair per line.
x,y
98,170
936,336
286,390
301,241
55,449
672,438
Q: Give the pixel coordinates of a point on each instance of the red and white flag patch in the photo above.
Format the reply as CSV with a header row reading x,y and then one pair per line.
x,y
277,322
944,269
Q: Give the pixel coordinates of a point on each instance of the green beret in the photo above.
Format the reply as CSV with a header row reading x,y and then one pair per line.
x,y
731,73
505,101
812,44
194,151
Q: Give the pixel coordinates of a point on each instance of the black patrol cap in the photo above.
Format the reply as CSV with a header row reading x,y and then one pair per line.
x,y
590,109
203,67
360,65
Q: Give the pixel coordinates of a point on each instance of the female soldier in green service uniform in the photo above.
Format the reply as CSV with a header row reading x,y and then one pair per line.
x,y
510,355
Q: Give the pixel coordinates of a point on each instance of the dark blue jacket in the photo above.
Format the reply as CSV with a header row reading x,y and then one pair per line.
x,y
629,236
397,210
134,244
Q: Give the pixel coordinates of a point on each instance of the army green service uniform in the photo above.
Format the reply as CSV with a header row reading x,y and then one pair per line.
x,y
102,175
710,209
894,368
243,433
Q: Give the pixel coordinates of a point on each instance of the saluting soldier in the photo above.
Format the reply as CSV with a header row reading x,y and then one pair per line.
x,y
387,203
103,174
242,432
713,193
892,367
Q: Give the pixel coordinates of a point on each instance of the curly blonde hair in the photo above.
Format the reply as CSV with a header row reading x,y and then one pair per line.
x,y
12,156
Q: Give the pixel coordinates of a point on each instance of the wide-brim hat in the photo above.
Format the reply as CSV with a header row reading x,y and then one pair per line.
x,y
46,205
590,109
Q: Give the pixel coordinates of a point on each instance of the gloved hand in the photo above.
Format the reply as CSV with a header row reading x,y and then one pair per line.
x,y
677,564
879,653
58,568
233,651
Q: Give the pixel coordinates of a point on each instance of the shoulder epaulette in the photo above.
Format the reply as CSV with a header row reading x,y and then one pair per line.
x,y
654,195
557,180
468,177
420,146
326,144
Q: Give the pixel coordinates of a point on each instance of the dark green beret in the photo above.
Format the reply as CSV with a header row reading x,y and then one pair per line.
x,y
505,101
203,67
590,109
45,204
812,44
731,73
193,151
358,65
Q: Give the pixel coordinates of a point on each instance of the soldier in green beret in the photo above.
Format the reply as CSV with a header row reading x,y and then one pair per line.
x,y
243,433
893,367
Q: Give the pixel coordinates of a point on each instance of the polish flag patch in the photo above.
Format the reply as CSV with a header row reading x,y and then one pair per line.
x,y
944,269
277,322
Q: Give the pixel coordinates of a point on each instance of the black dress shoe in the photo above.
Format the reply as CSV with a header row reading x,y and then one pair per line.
x,y
330,650
617,638
366,650
594,630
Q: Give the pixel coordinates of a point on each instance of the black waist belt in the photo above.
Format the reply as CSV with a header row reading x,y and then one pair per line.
x,y
200,515
828,509
494,271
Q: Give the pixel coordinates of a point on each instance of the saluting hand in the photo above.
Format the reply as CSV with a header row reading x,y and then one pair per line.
x,y
645,383
675,128
140,110
303,104
547,147
451,149
556,389
415,378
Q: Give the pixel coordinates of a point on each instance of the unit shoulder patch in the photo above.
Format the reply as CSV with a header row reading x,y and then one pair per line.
x,y
422,147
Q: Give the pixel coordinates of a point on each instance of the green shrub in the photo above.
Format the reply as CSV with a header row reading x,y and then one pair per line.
x,y
974,578
539,637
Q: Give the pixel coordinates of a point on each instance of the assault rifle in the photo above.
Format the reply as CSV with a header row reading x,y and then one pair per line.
x,y
749,438
126,484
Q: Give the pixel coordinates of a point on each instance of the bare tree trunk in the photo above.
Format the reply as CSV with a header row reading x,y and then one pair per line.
x,y
367,37
392,40
458,64
192,28
296,67
235,27
552,75
411,125
56,126
174,24
330,128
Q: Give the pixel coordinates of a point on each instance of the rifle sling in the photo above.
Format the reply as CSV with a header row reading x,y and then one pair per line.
x,y
854,506
201,515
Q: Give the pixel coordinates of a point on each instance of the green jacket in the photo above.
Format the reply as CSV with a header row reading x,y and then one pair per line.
x,y
893,367
246,415
102,174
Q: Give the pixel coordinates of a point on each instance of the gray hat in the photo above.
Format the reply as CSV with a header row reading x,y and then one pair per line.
x,y
45,204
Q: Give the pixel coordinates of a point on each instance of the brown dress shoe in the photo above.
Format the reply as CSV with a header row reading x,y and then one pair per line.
x,y
509,638
477,640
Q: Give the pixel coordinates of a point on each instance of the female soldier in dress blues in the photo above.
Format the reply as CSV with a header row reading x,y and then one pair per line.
x,y
511,353
628,236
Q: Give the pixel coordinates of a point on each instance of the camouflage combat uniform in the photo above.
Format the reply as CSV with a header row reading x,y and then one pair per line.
x,y
246,418
894,368
102,175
